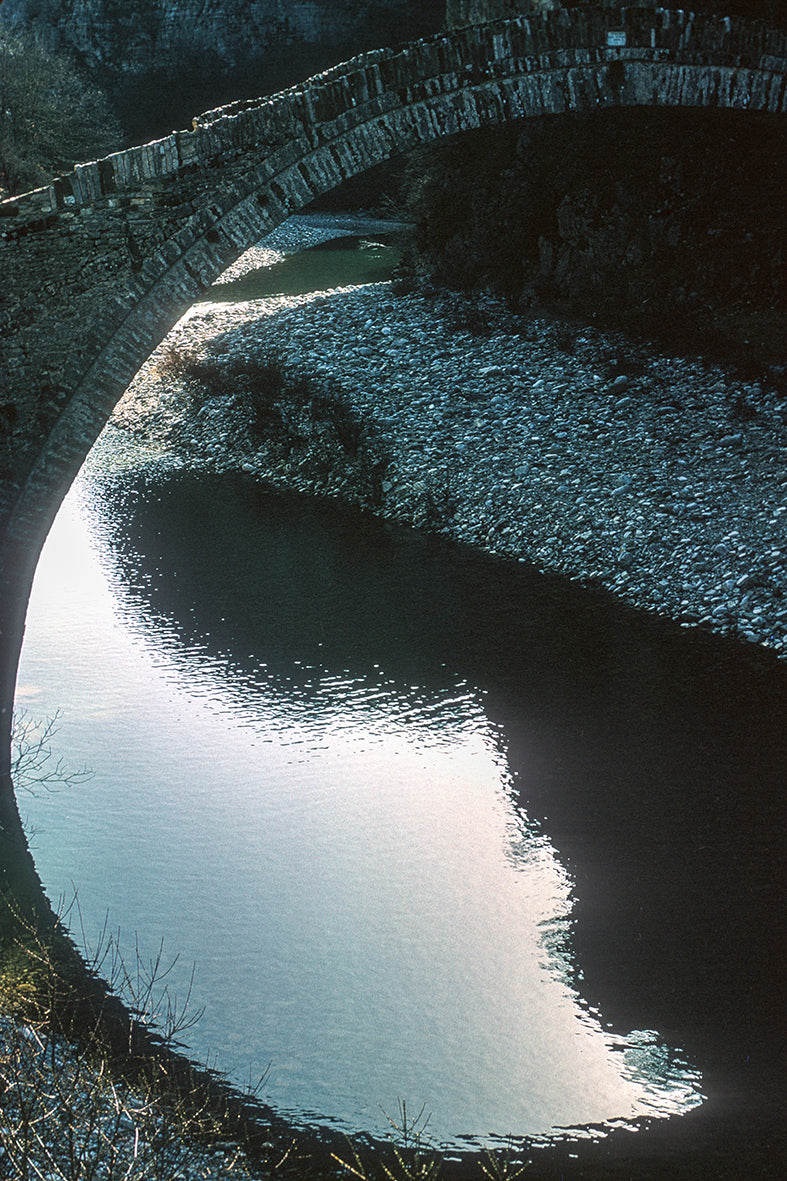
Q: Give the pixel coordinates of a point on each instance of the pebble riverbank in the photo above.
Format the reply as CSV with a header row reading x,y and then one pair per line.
x,y
659,477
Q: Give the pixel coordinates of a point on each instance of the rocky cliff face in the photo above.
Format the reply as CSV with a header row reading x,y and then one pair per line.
x,y
672,222
468,12
165,60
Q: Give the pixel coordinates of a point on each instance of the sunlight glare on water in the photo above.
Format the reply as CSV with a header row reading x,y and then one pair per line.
x,y
369,914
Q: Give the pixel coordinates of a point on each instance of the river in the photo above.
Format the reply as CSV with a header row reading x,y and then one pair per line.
x,y
425,825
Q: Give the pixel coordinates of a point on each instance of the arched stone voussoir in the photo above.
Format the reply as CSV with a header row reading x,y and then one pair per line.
x,y
99,265
246,202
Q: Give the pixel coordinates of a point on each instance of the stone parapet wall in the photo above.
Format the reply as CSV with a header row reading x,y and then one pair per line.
x,y
162,60
460,13
407,74
101,263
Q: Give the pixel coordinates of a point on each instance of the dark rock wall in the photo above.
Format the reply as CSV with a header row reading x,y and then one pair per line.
x,y
163,61
667,216
468,12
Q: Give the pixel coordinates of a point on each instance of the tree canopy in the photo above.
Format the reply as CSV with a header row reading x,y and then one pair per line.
x,y
51,117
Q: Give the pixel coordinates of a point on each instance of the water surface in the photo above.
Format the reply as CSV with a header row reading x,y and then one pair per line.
x,y
428,826
337,263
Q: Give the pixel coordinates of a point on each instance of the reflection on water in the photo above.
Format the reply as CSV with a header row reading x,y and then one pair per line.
x,y
413,816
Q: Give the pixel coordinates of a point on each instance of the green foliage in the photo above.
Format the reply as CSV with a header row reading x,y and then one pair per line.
x,y
50,117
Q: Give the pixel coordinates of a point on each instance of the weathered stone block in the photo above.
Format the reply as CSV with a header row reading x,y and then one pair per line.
x,y
101,263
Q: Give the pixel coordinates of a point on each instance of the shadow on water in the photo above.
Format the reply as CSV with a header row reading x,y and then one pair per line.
x,y
654,759
338,263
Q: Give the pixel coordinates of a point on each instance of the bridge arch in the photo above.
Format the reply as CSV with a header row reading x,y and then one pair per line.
x,y
99,265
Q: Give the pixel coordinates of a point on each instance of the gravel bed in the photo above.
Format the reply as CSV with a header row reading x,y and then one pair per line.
x,y
659,477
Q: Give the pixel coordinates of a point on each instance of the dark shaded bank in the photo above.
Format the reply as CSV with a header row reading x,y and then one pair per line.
x,y
31,930
660,781
671,224
46,985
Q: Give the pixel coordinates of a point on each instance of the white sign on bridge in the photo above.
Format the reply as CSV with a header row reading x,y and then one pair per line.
x,y
616,37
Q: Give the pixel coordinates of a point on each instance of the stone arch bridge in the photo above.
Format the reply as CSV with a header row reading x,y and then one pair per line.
x,y
99,265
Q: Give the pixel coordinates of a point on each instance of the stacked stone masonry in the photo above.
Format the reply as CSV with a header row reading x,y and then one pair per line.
x,y
101,263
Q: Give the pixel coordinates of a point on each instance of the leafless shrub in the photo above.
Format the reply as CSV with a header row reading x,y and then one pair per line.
x,y
51,117
173,361
103,1100
33,764
411,1155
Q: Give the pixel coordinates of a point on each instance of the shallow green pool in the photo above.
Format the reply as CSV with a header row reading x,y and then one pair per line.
x,y
342,262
